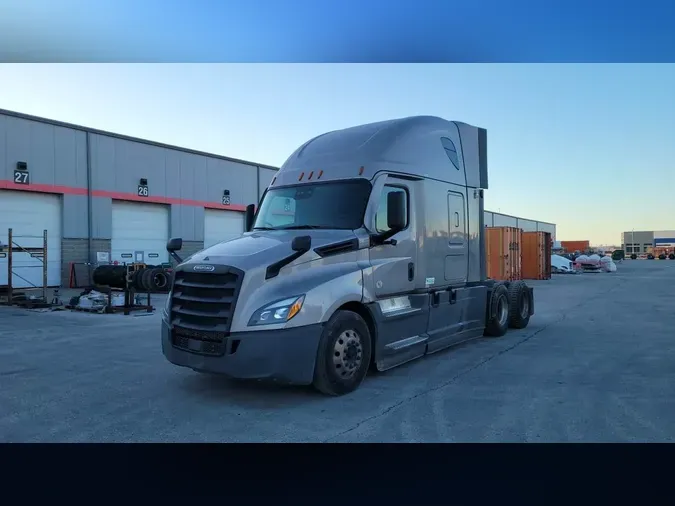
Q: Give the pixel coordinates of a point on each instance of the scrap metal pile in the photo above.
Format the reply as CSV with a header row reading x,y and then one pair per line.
x,y
144,279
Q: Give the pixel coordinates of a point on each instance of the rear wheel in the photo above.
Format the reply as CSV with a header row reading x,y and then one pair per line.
x,y
344,354
519,305
497,318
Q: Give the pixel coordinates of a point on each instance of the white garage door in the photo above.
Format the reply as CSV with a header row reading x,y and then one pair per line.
x,y
139,232
221,225
29,214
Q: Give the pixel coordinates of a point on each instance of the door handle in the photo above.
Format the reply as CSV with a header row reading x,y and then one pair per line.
x,y
411,271
453,296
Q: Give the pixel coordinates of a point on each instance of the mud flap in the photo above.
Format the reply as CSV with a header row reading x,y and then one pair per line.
x,y
531,312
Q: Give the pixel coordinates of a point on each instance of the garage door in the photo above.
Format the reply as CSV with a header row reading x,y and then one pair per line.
x,y
221,226
28,214
139,232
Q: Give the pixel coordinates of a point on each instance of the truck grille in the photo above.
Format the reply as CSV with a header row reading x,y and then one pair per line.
x,y
203,303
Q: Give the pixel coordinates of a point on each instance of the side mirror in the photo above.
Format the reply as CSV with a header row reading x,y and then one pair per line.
x,y
301,244
249,216
397,213
174,244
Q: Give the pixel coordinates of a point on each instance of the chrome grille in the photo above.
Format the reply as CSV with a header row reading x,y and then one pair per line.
x,y
204,302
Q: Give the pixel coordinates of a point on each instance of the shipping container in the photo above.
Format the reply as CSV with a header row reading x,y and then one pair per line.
x,y
536,255
503,251
572,246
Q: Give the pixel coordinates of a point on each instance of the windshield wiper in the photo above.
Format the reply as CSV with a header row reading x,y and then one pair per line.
x,y
300,227
263,228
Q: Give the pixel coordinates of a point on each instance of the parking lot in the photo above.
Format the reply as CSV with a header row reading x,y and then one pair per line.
x,y
597,363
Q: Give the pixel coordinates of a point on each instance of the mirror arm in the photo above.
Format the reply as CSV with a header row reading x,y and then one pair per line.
x,y
384,238
175,256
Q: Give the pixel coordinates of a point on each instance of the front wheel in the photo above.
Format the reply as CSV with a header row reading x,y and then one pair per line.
x,y
344,353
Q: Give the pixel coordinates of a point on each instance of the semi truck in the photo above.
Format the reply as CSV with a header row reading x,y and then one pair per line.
x,y
366,251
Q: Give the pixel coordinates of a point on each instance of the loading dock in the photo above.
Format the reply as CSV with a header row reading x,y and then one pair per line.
x,y
139,232
29,214
220,225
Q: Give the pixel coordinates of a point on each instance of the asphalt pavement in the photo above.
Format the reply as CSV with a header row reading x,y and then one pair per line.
x,y
596,364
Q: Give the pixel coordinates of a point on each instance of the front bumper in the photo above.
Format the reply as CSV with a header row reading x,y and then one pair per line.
x,y
287,356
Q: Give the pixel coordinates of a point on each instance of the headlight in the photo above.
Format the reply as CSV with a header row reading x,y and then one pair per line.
x,y
277,312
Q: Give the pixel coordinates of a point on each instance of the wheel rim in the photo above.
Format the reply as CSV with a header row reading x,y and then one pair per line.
x,y
347,354
502,310
160,280
524,306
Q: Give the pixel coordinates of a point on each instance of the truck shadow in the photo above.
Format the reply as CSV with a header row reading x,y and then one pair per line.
x,y
248,393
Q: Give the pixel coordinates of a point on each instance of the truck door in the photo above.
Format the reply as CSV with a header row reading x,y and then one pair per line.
x,y
456,259
394,267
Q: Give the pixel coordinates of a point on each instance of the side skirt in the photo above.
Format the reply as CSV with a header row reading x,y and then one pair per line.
x,y
411,326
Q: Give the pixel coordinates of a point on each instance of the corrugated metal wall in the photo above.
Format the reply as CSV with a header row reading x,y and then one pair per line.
x,y
57,160
493,219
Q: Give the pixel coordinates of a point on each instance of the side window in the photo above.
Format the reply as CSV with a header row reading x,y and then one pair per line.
x,y
282,212
451,151
381,216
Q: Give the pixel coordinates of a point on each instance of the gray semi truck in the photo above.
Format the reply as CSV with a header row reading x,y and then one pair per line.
x,y
366,251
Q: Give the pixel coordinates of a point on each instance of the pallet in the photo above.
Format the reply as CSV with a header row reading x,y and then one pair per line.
x,y
99,310
114,309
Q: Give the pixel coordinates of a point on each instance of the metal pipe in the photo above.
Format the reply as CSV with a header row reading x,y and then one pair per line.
x,y
44,266
90,205
10,247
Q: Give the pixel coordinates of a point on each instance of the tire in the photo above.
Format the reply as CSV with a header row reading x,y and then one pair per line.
x,y
519,305
633,256
662,256
671,256
498,304
145,280
136,279
344,339
159,280
650,257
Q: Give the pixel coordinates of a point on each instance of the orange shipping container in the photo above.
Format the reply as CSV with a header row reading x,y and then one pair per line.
x,y
572,246
503,253
536,255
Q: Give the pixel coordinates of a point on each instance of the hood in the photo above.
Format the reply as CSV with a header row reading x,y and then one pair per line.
x,y
254,249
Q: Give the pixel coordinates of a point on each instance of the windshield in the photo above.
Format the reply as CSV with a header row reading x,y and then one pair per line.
x,y
332,205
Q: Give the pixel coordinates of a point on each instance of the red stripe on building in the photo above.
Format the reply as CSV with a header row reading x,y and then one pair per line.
x,y
70,190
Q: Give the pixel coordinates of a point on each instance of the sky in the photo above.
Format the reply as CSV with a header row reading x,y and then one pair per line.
x,y
589,147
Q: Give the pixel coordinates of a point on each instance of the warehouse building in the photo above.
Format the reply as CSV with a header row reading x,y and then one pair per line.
x,y
111,197
640,241
104,197
504,220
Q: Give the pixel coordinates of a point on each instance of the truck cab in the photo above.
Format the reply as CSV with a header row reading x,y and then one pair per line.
x,y
366,251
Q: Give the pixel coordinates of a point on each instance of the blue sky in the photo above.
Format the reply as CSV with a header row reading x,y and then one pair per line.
x,y
589,147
